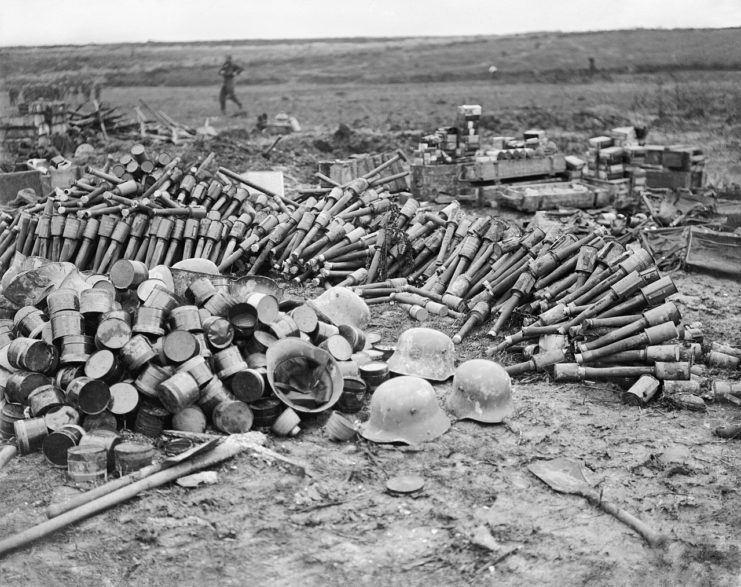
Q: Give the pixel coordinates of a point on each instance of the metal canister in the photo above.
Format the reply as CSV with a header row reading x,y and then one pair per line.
x,y
61,300
203,349
61,416
353,395
87,464
265,411
228,361
32,355
107,439
178,392
191,419
21,384
179,346
219,304
247,385
29,322
9,413
324,331
56,444
95,302
186,318
202,290
218,331
374,373
243,318
66,323
354,336
136,353
149,379
90,396
103,365
212,394
161,299
124,398
340,428
151,419
199,369
149,321
305,318
232,417
126,274
66,374
386,351
30,434
44,398
76,349
129,457
284,327
6,335
256,360
103,421
118,314
338,347
265,307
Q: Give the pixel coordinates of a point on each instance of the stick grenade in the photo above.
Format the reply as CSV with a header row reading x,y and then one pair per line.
x,y
336,232
198,192
112,179
652,335
538,362
320,222
139,225
671,371
176,238
86,247
608,258
213,192
407,212
613,322
149,240
31,236
226,226
185,189
450,226
237,232
650,295
8,241
281,201
203,227
238,199
56,228
374,208
190,234
554,257
431,245
202,171
520,290
276,236
9,249
163,199
24,229
367,294
667,353
586,261
621,290
41,247
224,198
164,230
418,300
105,230
120,233
460,282
356,277
213,234
665,313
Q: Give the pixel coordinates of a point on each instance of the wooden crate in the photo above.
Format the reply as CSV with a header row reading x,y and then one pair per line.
x,y
491,170
433,182
345,170
718,252
548,196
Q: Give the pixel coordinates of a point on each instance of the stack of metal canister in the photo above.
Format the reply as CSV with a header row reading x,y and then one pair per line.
x,y
127,351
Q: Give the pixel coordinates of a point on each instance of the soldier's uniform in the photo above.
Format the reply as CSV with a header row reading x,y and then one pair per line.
x,y
228,72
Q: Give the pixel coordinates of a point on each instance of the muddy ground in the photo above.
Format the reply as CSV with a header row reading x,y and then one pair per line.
x,y
481,518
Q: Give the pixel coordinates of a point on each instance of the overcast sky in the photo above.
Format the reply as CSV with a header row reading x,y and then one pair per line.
x,y
46,22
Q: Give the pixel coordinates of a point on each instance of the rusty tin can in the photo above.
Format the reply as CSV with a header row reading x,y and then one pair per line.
x,y
76,349
87,464
228,361
178,392
95,302
61,300
190,419
29,322
265,411
151,419
247,385
32,355
161,299
136,353
104,365
218,331
126,274
202,290
44,398
129,457
30,434
199,369
212,395
112,334
179,346
149,379
232,417
9,413
186,318
149,321
90,396
56,444
21,384
61,416
354,390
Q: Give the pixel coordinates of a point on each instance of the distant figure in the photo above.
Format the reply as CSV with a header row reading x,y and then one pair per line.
x,y
228,72
97,89
493,71
592,66
13,95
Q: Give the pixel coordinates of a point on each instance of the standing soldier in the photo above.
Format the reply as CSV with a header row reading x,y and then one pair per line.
x,y
228,72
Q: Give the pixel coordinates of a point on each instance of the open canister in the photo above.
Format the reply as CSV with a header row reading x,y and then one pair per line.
x,y
265,411
62,299
90,396
339,428
149,321
354,390
151,419
287,424
129,457
76,349
44,398
30,434
103,365
374,373
136,353
56,444
212,394
219,332
243,318
228,361
232,417
186,318
178,392
87,464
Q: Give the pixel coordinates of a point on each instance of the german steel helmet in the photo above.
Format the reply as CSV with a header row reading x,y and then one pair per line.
x,y
339,305
404,409
423,352
482,391
303,376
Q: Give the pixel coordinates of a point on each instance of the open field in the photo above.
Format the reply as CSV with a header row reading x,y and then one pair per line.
x,y
265,524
